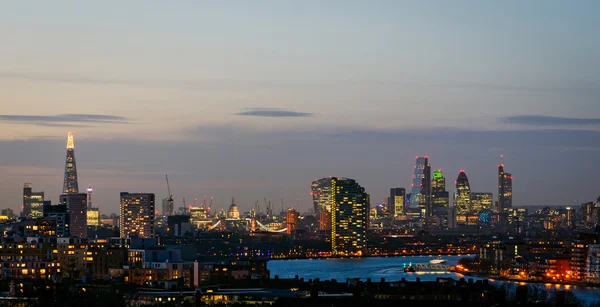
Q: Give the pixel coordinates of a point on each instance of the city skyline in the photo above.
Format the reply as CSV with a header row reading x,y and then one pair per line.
x,y
257,101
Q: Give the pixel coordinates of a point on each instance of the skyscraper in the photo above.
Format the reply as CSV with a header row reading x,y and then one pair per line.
x,y
420,196
291,220
462,196
481,202
504,190
137,215
33,202
440,199
93,214
70,184
77,207
397,201
349,217
321,194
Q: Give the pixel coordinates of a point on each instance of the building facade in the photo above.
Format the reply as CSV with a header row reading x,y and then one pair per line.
x,y
349,217
420,196
504,190
462,196
321,194
33,202
70,182
397,201
77,207
137,215
481,202
440,199
291,220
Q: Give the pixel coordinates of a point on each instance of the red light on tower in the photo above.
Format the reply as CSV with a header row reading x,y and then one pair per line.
x,y
426,157
462,170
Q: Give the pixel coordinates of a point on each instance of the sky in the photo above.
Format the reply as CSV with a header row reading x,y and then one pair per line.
x,y
255,99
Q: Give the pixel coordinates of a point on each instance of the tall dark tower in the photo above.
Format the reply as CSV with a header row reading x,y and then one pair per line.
x,y
420,196
504,189
70,185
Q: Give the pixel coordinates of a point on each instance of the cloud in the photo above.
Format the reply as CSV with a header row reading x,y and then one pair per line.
x,y
272,112
64,120
538,120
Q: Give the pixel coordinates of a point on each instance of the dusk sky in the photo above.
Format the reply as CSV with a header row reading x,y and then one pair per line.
x,y
254,99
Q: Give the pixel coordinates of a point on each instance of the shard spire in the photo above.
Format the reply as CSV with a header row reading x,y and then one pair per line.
x,y
70,184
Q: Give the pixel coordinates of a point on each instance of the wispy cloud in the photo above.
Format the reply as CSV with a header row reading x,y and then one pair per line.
x,y
272,112
64,120
538,120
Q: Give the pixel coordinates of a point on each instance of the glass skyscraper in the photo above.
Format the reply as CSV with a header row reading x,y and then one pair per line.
x,y
420,196
504,190
349,217
321,194
440,199
481,202
33,202
70,182
462,196
397,201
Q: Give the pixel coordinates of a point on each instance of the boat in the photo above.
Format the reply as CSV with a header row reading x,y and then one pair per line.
x,y
439,260
409,269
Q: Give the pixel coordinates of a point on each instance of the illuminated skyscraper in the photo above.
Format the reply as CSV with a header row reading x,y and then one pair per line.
x,y
70,184
93,214
291,220
77,207
420,196
349,217
481,202
462,196
137,215
33,202
321,194
397,201
440,199
504,190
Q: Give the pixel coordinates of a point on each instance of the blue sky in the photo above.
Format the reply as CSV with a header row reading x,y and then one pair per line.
x,y
255,99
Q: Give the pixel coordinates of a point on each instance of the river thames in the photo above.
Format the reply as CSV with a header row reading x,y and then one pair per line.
x,y
392,269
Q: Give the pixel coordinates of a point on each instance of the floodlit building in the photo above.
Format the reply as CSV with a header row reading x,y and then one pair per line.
x,y
137,215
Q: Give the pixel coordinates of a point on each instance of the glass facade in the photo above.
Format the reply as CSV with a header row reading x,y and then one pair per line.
x,y
33,203
349,217
504,190
321,194
481,202
421,187
77,208
70,183
462,196
397,201
137,215
440,199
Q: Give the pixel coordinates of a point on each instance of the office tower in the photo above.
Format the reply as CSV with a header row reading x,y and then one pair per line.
x,y
291,220
60,213
325,220
481,202
165,207
504,190
93,214
462,196
440,198
349,217
137,215
33,202
397,201
70,184
321,194
77,207
421,187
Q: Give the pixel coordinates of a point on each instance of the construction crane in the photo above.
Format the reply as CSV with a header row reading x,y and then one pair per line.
x,y
210,204
170,201
195,201
203,202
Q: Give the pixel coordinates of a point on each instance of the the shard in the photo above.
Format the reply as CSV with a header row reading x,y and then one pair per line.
x,y
70,184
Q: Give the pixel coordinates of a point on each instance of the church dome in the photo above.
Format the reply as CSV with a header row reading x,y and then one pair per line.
x,y
233,212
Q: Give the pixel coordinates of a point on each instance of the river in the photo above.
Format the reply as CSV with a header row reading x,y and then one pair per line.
x,y
390,268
